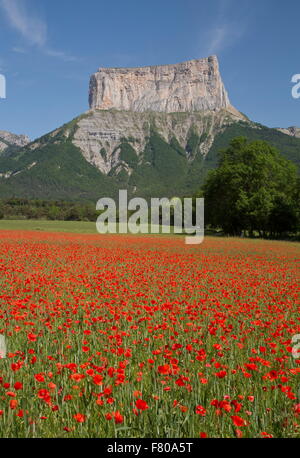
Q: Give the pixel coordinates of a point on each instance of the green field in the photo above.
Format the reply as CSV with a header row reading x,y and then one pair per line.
x,y
80,227
77,227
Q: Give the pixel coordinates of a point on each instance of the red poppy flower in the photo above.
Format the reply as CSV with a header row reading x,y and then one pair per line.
x,y
79,417
11,394
238,421
238,433
18,386
221,374
97,379
266,435
141,405
200,410
165,369
297,409
118,417
13,403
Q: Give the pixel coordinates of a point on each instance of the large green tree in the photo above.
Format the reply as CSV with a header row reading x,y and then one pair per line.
x,y
254,188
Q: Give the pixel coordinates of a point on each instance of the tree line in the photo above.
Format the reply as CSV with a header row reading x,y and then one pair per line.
x,y
17,208
253,191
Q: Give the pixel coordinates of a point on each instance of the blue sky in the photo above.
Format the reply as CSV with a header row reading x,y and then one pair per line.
x,y
48,49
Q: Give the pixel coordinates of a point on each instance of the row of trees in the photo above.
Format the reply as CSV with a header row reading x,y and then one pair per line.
x,y
254,190
41,209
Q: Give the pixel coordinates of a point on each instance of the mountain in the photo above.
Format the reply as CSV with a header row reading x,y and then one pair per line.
x,y
7,140
155,131
105,150
293,131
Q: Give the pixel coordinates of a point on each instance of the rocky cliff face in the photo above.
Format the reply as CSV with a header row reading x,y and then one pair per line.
x,y
195,85
100,133
177,100
292,131
8,139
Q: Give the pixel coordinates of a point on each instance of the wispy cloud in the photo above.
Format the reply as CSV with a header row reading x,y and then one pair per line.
x,y
19,50
219,38
225,31
61,55
31,27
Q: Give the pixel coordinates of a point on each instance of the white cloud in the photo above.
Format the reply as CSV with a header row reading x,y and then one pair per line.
x,y
222,36
61,55
225,32
219,37
19,50
32,28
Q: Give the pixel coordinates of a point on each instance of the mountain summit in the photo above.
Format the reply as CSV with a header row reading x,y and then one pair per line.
x,y
195,85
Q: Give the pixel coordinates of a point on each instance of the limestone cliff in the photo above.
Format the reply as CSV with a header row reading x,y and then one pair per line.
x,y
100,133
9,139
177,99
292,131
195,85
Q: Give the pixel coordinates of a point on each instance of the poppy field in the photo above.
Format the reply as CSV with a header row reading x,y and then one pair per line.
x,y
144,336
